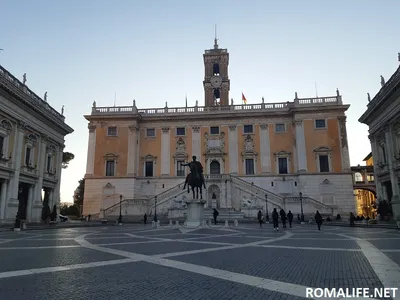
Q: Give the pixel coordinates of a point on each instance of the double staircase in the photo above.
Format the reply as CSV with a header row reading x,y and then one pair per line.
x,y
162,202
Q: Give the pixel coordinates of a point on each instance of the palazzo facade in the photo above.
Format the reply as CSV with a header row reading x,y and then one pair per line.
x,y
249,152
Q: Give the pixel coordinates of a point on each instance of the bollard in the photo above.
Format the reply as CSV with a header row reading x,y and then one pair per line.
x,y
184,223
158,225
170,222
176,226
153,224
226,223
204,223
235,223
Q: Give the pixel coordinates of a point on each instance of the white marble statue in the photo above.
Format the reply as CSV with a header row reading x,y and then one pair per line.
x,y
45,96
24,79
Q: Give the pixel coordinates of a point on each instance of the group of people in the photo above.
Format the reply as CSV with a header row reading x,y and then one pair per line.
x,y
286,217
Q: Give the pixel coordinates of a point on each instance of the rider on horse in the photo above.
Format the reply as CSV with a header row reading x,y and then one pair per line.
x,y
195,168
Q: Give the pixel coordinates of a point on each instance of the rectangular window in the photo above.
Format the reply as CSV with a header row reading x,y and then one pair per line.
x,y
249,166
214,130
112,131
180,131
148,172
180,170
283,165
248,129
323,163
48,164
150,132
280,127
110,168
28,156
320,123
2,154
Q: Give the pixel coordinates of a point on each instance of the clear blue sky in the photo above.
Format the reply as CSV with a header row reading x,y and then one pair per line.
x,y
80,51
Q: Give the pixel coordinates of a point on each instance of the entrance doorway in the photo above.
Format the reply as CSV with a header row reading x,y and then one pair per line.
x,y
215,167
23,195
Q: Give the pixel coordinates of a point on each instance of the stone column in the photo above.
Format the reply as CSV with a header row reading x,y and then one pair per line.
x,y
91,150
165,151
56,192
301,147
233,150
265,149
3,199
132,149
19,144
29,204
395,201
344,148
196,143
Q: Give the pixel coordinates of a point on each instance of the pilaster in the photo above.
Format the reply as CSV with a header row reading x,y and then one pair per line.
x,y
344,147
301,147
41,165
3,199
165,151
265,149
375,154
17,160
233,149
132,149
29,204
395,201
56,192
91,150
196,142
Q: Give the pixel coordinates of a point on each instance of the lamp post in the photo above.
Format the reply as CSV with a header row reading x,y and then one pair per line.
x,y
155,209
301,207
266,209
120,210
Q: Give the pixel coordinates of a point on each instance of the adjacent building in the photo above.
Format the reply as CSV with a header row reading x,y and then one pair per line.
x,y
383,118
250,152
364,189
31,149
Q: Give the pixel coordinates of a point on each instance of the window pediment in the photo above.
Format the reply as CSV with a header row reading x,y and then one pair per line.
x,y
31,139
51,149
110,156
282,153
323,151
149,157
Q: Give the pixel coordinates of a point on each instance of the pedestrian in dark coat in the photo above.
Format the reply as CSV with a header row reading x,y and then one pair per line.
x,y
283,217
318,219
290,218
275,218
260,217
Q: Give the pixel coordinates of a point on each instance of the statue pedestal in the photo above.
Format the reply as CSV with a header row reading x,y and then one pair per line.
x,y
195,213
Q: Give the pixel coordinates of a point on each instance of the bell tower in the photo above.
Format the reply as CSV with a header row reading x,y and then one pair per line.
x,y
216,81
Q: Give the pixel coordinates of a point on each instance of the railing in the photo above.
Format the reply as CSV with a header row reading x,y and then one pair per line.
x,y
27,95
328,209
334,100
165,196
271,197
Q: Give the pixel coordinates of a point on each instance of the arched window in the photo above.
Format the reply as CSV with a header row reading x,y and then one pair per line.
x,y
216,69
215,167
358,177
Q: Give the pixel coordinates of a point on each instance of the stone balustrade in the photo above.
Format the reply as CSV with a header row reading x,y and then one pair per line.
x,y
280,106
21,90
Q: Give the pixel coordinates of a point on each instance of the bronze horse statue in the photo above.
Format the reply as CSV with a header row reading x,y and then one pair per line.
x,y
195,179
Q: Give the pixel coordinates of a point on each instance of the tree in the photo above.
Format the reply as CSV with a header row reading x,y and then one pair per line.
x,y
79,193
67,157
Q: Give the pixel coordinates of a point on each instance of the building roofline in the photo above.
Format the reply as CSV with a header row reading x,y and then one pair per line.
x,y
368,156
384,93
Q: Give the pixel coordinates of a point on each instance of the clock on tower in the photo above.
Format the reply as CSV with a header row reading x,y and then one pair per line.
x,y
216,81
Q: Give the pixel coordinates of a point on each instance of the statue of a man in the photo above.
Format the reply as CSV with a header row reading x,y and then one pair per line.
x,y
295,95
337,92
197,103
134,103
62,110
94,104
231,101
382,81
24,78
262,99
369,97
45,97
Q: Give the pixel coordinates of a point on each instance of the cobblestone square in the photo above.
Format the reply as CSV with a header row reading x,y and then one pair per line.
x,y
245,262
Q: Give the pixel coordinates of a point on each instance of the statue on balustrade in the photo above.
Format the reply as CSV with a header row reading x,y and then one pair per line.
x,y
195,179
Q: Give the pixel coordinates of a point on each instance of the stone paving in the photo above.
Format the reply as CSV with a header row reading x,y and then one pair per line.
x,y
245,262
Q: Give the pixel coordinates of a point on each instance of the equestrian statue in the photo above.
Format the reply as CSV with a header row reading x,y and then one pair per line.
x,y
195,179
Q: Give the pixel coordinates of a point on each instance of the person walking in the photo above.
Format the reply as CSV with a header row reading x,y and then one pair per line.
x,y
260,217
283,217
352,217
318,219
145,218
215,215
275,218
290,218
